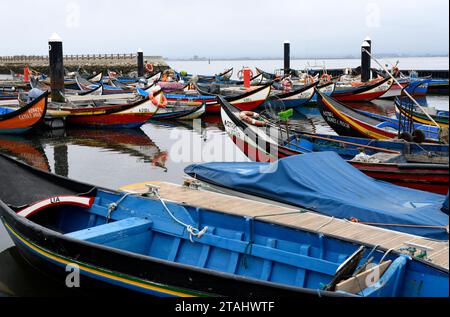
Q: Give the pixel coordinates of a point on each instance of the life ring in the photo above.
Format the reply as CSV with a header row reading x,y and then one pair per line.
x,y
149,68
252,118
287,84
163,102
325,77
309,79
153,99
241,73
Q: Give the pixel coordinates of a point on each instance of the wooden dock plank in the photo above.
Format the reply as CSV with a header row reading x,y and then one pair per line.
x,y
298,218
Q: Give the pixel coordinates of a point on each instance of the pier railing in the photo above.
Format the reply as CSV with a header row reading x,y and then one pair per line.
x,y
79,59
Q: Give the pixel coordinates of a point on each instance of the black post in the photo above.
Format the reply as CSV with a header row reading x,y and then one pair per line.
x,y
365,62
287,58
140,62
55,53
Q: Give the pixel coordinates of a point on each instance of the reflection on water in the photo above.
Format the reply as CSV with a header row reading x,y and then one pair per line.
x,y
158,151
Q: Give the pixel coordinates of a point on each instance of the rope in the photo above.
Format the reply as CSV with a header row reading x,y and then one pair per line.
x,y
113,206
354,220
193,232
325,224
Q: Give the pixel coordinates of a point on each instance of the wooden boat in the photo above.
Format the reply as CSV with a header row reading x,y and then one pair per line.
x,y
324,183
249,100
131,243
363,92
24,118
266,75
177,111
270,143
296,97
430,132
408,109
132,115
439,87
347,122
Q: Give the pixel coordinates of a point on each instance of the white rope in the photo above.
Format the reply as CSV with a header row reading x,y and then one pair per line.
x,y
325,224
193,232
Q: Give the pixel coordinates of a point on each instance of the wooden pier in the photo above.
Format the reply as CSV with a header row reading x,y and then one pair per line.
x,y
437,252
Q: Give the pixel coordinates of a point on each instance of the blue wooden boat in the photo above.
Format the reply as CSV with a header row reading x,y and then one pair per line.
x,y
430,132
325,183
162,248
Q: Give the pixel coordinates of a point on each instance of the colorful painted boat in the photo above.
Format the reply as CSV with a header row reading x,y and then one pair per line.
x,y
362,92
130,243
326,89
324,183
24,118
408,109
347,122
268,144
131,115
431,132
249,100
297,97
439,87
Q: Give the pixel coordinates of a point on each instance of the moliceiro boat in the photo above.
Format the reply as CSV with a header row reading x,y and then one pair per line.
x,y
162,248
418,166
16,121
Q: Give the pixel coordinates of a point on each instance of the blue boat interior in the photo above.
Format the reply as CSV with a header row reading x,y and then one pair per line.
x,y
349,147
240,246
4,111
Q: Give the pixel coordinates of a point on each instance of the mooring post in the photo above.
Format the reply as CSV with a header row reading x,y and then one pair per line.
x,y
140,62
287,58
55,52
365,61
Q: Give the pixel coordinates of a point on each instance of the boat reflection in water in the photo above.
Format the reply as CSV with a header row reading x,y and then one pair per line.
x,y
27,150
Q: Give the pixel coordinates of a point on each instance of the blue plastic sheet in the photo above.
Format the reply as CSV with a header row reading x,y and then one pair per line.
x,y
325,183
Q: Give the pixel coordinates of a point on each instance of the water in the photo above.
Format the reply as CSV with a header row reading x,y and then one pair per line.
x,y
215,67
158,152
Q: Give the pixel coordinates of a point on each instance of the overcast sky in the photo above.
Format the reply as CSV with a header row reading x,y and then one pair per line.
x,y
226,28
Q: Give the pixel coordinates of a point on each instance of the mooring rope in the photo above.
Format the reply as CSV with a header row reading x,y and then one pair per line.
x,y
193,232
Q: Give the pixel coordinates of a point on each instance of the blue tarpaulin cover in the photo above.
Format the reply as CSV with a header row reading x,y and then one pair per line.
x,y
325,183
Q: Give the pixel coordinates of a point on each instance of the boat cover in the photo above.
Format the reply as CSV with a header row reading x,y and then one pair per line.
x,y
325,183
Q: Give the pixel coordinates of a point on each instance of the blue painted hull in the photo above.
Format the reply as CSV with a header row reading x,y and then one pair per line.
x,y
144,245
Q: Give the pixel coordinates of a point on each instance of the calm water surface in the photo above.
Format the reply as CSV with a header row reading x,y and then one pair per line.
x,y
113,158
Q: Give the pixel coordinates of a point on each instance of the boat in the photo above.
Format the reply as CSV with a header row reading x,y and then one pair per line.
x,y
129,115
177,111
362,91
248,100
439,86
325,183
430,132
326,89
147,245
171,110
407,108
21,120
96,78
296,97
398,162
348,122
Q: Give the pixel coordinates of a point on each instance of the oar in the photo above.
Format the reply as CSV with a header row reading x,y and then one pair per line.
x,y
407,93
352,143
346,142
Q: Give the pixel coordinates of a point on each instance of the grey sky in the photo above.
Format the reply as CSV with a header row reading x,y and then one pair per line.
x,y
226,28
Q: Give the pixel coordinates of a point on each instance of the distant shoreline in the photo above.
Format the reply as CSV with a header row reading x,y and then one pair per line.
x,y
204,59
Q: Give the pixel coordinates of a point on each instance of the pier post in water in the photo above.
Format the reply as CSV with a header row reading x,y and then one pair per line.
x,y
55,54
365,61
140,62
287,57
